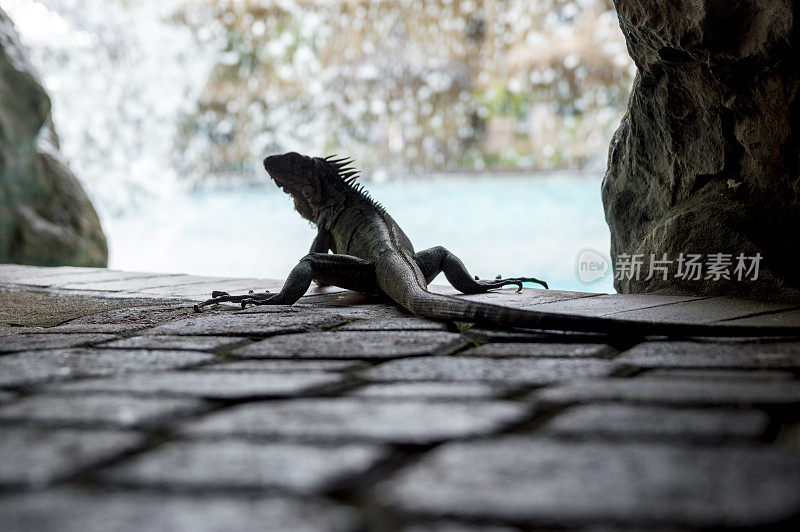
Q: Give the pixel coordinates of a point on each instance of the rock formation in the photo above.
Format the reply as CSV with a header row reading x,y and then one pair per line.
x,y
706,160
45,216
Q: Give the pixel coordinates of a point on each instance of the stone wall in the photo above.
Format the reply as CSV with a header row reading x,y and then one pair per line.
x,y
45,216
706,159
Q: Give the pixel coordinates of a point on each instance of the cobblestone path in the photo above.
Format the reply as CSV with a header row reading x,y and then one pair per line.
x,y
121,409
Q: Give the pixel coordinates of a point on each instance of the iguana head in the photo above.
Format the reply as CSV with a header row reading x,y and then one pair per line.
x,y
313,182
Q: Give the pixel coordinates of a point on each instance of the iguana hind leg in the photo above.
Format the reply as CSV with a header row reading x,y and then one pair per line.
x,y
343,271
438,259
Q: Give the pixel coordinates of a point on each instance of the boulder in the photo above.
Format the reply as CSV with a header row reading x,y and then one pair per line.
x,y
706,160
46,217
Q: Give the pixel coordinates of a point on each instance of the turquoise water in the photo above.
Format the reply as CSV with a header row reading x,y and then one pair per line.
x,y
532,226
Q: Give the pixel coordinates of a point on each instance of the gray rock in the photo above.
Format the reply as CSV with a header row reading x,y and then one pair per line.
x,y
45,340
84,410
737,355
689,392
403,421
32,367
232,463
275,320
35,457
654,422
557,483
46,217
69,510
511,371
354,344
541,349
211,384
705,160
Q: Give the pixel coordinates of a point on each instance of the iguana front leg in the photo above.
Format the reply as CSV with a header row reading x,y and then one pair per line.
x,y
343,271
438,259
321,244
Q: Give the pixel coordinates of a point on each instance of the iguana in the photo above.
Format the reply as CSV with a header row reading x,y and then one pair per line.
x,y
372,255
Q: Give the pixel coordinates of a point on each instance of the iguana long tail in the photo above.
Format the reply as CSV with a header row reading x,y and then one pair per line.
x,y
430,305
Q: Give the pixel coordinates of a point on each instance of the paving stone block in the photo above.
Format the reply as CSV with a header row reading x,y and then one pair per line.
x,y
231,464
607,304
47,340
63,278
542,349
725,354
786,318
280,320
8,330
482,336
703,310
13,273
140,315
620,421
512,371
723,374
353,312
210,384
455,526
191,343
35,457
540,482
354,344
689,392
331,296
42,308
412,323
135,284
32,367
121,329
430,390
528,297
70,510
402,421
96,410
202,291
6,397
281,366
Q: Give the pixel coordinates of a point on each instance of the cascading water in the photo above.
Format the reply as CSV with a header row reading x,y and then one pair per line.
x,y
120,76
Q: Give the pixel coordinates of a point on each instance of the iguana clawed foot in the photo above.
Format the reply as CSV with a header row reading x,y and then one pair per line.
x,y
251,298
499,283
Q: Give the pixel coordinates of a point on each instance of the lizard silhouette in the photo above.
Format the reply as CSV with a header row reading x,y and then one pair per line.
x,y
372,254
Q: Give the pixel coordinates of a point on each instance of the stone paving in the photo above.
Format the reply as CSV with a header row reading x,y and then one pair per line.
x,y
122,409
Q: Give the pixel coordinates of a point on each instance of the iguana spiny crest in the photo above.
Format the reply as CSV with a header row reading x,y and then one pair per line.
x,y
317,183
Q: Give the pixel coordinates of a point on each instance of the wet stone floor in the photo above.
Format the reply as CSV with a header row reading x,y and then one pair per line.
x,y
122,409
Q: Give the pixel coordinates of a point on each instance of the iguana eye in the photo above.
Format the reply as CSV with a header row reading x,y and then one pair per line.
x,y
307,191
